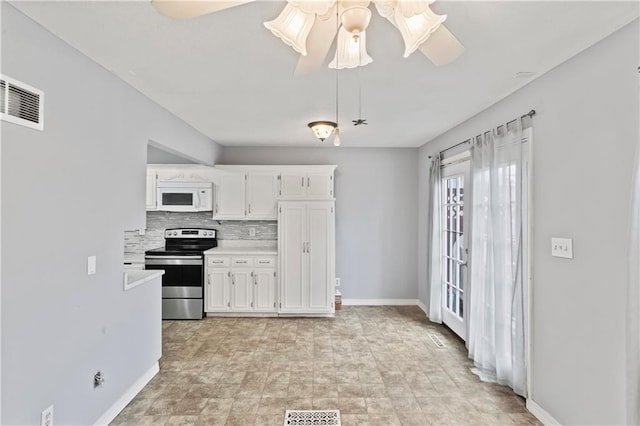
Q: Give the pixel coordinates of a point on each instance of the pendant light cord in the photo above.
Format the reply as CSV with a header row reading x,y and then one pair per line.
x,y
337,58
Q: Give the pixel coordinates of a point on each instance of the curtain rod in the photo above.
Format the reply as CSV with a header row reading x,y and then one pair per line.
x,y
530,114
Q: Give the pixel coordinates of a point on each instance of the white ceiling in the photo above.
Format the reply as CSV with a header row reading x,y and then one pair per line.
x,y
230,78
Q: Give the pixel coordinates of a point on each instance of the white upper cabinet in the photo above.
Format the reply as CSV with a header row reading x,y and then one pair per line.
x,y
306,183
152,185
242,192
182,173
229,195
262,192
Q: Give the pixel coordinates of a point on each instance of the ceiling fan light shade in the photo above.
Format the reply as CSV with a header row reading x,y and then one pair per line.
x,y
322,129
336,138
416,29
350,52
413,7
184,9
356,19
318,7
292,26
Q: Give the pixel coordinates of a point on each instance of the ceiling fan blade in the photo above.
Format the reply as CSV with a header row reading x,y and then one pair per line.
x,y
442,47
318,45
183,9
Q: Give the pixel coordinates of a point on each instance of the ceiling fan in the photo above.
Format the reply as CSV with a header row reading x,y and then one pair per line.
x,y
310,27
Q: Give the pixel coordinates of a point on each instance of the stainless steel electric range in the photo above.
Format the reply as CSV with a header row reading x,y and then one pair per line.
x,y
182,260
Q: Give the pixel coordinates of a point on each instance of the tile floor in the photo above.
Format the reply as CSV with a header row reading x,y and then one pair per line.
x,y
376,365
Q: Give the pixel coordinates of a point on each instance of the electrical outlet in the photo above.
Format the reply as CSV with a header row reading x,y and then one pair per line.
x,y
562,247
252,232
337,282
47,416
91,265
141,231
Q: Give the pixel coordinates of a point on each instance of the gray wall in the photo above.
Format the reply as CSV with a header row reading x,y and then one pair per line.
x,y
376,213
69,192
585,135
157,155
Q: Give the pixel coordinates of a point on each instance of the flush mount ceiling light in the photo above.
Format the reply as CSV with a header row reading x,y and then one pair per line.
x,y
322,129
310,28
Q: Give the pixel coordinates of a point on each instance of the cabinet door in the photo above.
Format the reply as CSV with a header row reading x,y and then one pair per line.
x,y
320,226
293,185
152,196
229,196
293,273
262,193
241,290
265,289
217,290
319,185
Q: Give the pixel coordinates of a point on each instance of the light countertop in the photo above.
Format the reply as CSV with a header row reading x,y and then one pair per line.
x,y
246,247
134,277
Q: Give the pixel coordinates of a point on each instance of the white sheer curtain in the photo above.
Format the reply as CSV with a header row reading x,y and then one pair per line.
x,y
434,238
633,304
496,317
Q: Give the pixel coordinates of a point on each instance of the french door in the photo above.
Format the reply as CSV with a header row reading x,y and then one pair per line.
x,y
456,187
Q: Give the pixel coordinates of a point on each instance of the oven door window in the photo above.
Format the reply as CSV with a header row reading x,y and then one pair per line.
x,y
180,275
177,198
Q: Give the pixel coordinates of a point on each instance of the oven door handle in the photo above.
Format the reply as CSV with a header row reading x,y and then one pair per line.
x,y
177,260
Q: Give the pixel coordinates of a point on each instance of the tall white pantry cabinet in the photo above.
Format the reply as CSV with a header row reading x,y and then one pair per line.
x,y
306,247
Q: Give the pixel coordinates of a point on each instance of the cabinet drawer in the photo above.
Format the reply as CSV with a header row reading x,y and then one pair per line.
x,y
242,261
218,261
265,262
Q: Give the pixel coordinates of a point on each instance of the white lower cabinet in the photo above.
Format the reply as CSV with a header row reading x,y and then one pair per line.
x,y
217,298
240,284
306,235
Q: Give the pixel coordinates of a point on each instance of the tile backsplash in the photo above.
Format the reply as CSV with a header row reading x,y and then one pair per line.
x,y
157,222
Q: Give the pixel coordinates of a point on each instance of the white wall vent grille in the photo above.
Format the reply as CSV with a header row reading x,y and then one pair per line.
x,y
20,103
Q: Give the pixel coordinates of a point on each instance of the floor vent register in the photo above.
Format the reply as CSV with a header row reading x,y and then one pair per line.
x,y
312,418
436,341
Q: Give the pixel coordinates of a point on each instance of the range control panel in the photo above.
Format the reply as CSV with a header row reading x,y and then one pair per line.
x,y
190,233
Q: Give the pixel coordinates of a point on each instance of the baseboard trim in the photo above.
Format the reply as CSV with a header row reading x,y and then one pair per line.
x,y
128,396
380,302
541,414
422,306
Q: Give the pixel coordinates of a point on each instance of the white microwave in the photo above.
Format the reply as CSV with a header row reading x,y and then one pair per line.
x,y
185,196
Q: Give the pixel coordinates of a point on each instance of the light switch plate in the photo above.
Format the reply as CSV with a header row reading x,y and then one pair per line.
x,y
562,247
252,232
91,265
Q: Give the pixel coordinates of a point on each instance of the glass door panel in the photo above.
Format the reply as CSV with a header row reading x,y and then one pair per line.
x,y
455,179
